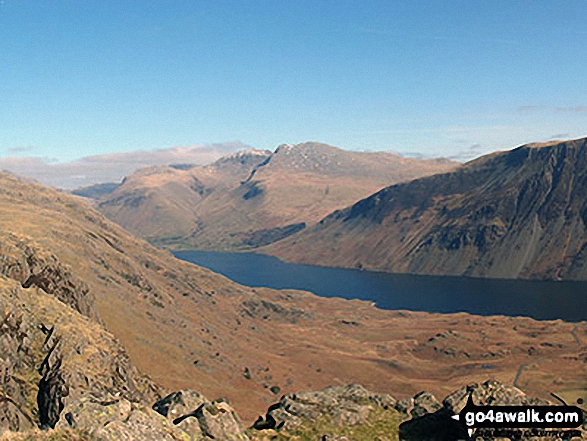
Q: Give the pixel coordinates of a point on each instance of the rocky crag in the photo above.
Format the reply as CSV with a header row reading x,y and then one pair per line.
x,y
63,376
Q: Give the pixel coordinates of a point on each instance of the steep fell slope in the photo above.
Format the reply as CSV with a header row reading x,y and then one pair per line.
x,y
64,374
161,203
521,213
253,198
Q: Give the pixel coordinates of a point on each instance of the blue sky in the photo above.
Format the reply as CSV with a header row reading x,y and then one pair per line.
x,y
438,78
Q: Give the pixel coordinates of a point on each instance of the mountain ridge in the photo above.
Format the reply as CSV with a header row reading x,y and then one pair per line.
x,y
507,215
226,205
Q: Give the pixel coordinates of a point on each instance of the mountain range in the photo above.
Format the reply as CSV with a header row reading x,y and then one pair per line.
x,y
514,214
251,198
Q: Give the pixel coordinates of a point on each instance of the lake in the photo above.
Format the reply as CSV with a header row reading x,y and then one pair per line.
x,y
539,300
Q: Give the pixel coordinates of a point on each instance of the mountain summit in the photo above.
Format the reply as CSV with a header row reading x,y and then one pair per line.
x,y
520,213
254,197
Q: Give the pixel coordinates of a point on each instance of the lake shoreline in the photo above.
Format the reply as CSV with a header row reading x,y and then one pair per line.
x,y
536,299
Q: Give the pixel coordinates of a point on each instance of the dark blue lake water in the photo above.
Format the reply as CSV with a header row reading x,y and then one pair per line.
x,y
540,300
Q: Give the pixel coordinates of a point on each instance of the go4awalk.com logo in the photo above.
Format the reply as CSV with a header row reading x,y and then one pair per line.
x,y
519,417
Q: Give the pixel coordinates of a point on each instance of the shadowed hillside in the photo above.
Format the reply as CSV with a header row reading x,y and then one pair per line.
x,y
521,213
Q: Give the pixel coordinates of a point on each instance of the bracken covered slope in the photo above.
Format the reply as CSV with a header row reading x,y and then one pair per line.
x,y
254,197
516,214
188,328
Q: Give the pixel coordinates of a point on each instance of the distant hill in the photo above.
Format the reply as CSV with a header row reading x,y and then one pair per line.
x,y
253,198
520,213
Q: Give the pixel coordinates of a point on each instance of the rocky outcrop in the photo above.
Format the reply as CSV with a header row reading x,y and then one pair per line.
x,y
60,371
424,403
200,418
114,418
259,308
180,409
219,421
353,413
51,355
28,263
344,405
331,414
16,358
490,393
182,415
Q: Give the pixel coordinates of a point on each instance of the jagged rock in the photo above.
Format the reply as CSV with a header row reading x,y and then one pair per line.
x,y
219,421
50,356
424,403
17,360
405,406
180,408
385,401
489,393
25,261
